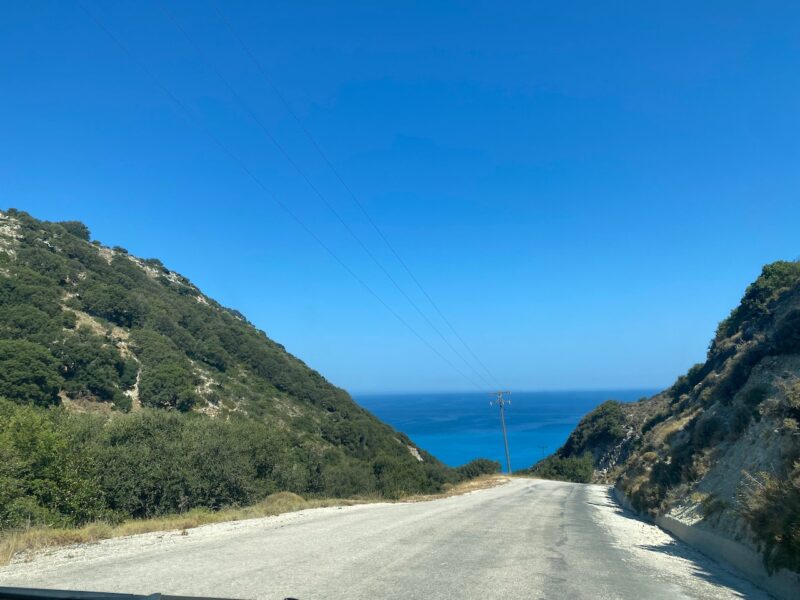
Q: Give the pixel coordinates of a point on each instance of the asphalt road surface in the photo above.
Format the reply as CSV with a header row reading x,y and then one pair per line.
x,y
525,539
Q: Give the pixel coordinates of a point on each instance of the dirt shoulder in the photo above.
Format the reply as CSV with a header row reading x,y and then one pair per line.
x,y
22,546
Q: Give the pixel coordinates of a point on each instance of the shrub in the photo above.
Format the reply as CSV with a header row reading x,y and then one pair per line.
x,y
712,505
685,383
604,425
113,303
168,385
343,479
653,421
707,431
755,395
729,386
477,467
46,478
771,506
77,229
28,373
786,339
398,476
792,402
572,468
91,367
742,415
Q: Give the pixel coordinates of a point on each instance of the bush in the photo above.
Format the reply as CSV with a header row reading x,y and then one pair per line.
x,y
397,477
604,425
729,386
168,385
92,368
478,467
572,468
45,477
786,339
344,478
792,402
686,383
77,229
771,506
707,431
755,396
653,421
160,463
113,303
742,415
28,373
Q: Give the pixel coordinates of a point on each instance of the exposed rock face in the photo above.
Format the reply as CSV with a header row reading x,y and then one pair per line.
x,y
721,448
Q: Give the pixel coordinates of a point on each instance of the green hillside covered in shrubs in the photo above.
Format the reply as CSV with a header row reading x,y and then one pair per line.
x,y
126,392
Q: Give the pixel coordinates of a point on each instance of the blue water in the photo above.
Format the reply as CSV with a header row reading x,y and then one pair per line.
x,y
459,427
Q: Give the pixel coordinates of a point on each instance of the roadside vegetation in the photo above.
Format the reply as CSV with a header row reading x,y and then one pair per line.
x,y
771,506
32,539
64,469
577,469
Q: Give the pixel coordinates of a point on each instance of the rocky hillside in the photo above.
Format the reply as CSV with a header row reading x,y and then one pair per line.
x,y
126,391
721,447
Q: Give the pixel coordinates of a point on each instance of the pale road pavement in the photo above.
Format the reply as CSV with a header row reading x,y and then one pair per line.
x,y
525,539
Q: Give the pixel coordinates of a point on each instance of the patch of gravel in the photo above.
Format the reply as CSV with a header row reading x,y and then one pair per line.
x,y
119,548
654,550
37,564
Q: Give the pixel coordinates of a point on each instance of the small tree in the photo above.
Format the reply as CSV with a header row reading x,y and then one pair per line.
x,y
167,385
77,229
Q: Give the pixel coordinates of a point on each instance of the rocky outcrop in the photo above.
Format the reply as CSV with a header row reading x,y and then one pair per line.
x,y
719,451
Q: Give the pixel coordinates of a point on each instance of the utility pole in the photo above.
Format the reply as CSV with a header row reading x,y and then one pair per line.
x,y
501,402
543,449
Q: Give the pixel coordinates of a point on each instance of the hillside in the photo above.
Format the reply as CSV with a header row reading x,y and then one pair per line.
x,y
125,391
721,448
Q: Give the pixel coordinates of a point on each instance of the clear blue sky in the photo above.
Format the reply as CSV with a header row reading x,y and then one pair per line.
x,y
585,188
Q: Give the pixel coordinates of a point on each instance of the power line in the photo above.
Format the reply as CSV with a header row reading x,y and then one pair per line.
x,y
242,165
265,75
265,130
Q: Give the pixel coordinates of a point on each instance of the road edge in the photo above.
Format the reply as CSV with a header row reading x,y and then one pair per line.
x,y
731,555
23,546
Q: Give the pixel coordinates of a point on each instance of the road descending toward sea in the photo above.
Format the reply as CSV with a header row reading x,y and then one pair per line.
x,y
524,539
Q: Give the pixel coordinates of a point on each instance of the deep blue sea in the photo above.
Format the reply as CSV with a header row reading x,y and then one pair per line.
x,y
458,427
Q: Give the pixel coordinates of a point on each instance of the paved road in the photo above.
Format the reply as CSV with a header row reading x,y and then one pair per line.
x,y
526,539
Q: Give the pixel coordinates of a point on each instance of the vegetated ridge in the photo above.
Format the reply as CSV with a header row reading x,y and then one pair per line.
x,y
720,448
126,392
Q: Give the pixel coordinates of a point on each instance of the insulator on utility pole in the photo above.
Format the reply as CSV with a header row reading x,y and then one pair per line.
x,y
501,401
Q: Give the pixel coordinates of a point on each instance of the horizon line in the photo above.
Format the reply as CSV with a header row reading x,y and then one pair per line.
x,y
519,391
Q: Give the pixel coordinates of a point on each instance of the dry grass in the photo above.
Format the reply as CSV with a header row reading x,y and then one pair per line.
x,y
479,483
34,539
662,432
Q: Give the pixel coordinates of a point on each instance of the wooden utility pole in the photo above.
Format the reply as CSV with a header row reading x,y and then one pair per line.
x,y
501,402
